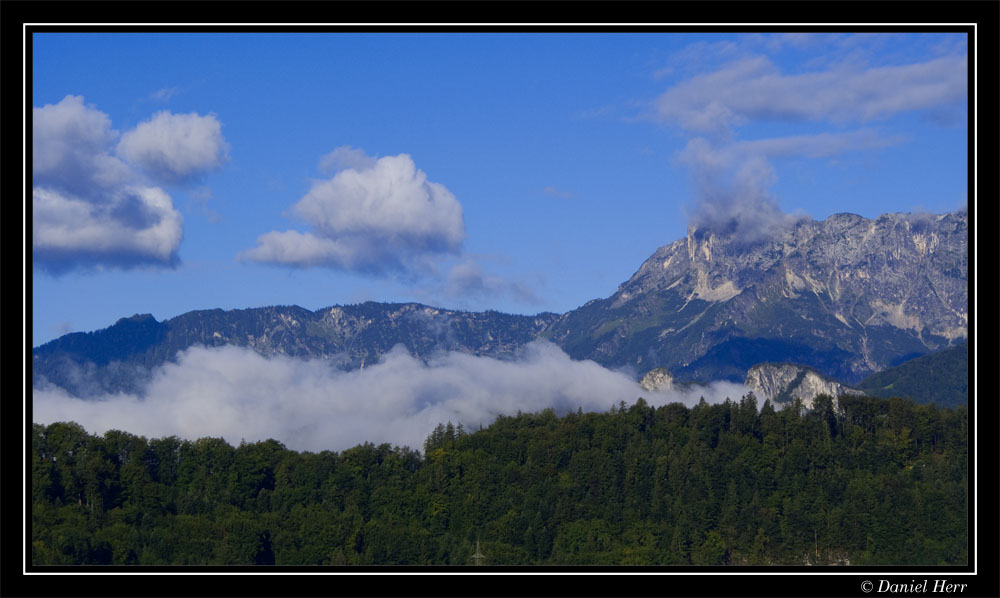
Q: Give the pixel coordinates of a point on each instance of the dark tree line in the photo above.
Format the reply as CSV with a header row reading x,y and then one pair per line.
x,y
872,481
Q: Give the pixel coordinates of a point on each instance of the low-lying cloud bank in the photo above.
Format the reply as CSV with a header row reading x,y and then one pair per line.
x,y
237,394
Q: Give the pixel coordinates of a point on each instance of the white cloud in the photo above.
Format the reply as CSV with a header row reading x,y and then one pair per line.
x,y
70,144
301,249
753,88
237,394
175,148
734,177
132,225
821,145
379,215
392,199
89,208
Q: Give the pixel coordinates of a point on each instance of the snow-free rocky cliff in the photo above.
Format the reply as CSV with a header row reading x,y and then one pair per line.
x,y
657,379
784,382
847,296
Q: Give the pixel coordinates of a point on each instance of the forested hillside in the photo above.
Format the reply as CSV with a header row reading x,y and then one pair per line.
x,y
941,378
879,482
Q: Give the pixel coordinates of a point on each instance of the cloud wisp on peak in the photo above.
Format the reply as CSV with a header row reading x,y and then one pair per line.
x,y
733,177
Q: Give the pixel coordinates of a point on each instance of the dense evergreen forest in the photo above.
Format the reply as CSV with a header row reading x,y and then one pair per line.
x,y
872,481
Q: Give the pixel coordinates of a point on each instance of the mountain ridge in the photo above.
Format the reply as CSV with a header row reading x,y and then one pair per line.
x,y
847,297
348,336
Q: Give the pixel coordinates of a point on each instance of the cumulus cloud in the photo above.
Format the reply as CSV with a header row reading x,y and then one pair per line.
x,y
381,216
93,203
175,148
306,249
70,143
90,208
375,216
130,227
308,405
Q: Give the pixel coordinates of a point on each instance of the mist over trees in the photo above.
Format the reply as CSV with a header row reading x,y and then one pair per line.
x,y
868,482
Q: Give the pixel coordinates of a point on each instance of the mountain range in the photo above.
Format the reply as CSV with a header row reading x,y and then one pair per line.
x,y
847,297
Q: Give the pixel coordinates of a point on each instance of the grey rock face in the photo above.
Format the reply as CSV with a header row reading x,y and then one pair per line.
x,y
657,379
848,296
782,383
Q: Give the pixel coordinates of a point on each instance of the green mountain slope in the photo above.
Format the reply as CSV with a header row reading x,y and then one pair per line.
x,y
941,378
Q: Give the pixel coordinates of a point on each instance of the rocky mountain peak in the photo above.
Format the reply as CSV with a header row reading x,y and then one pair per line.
x,y
847,295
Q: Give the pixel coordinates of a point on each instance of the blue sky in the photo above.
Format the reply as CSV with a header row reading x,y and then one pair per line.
x,y
518,172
